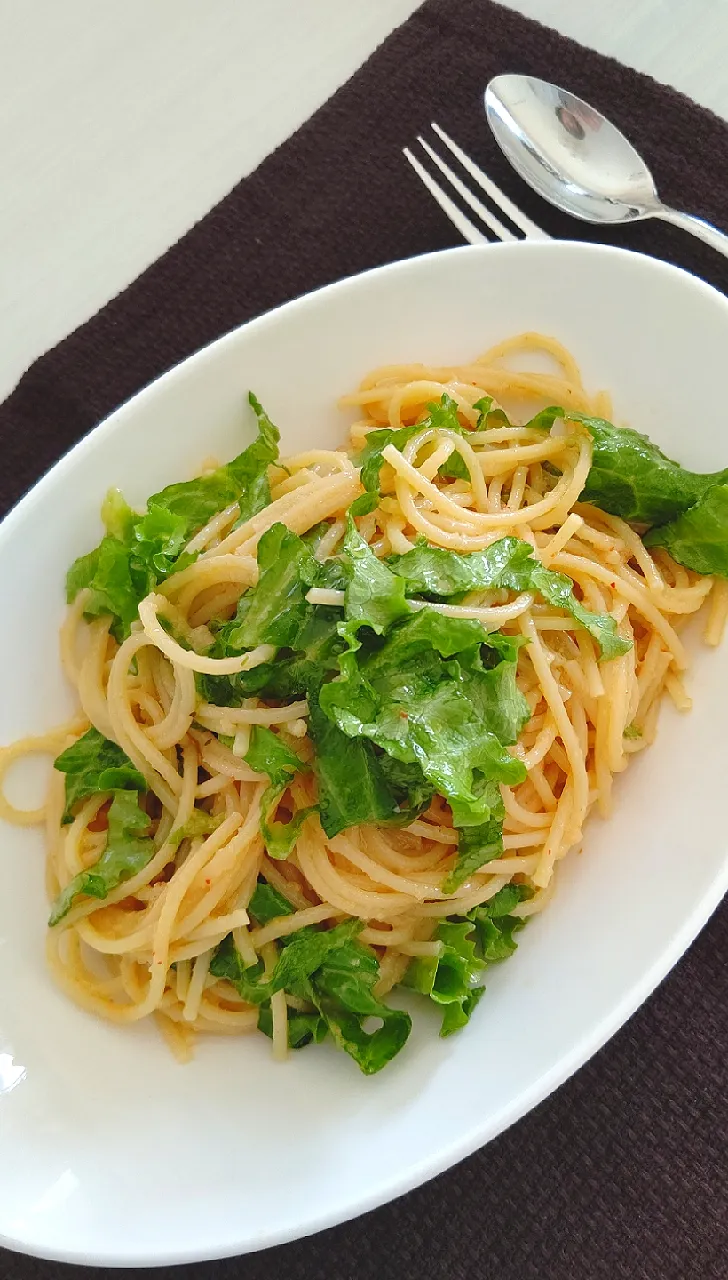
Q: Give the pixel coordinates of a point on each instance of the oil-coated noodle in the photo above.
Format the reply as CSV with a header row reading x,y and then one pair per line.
x,y
147,947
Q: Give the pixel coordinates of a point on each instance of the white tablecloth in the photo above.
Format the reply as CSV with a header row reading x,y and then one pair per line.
x,y
122,123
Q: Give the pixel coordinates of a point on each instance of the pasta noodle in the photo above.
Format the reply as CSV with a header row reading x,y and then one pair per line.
x,y
146,948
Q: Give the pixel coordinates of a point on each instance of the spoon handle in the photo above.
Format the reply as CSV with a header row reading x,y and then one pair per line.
x,y
697,227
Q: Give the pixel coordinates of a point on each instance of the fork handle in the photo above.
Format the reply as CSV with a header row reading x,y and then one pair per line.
x,y
697,227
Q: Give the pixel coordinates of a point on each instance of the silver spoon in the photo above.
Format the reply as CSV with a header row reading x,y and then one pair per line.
x,y
576,159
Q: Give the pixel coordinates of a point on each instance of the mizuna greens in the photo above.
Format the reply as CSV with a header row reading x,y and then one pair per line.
x,y
140,551
684,511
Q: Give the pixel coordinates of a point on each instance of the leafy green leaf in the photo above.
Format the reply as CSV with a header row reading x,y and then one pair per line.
x,y
267,753
457,1014
630,477
243,480
442,415
484,937
303,1028
199,823
118,517
452,717
343,992
365,503
336,975
449,980
631,732
374,595
304,953
495,926
508,563
138,552
291,675
307,950
370,459
456,468
280,837
94,764
433,571
127,852
275,611
479,844
250,468
602,627
105,572
249,982
352,786
488,417
698,538
409,786
268,904
503,902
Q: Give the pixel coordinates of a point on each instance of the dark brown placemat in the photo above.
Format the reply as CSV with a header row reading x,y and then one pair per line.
x,y
623,1172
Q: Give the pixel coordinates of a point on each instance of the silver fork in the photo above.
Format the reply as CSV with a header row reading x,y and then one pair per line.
x,y
493,227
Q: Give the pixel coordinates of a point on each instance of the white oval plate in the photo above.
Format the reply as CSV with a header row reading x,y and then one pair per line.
x,y
112,1153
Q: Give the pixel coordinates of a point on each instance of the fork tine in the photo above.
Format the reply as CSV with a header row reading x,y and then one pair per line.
x,y
466,228
517,217
490,220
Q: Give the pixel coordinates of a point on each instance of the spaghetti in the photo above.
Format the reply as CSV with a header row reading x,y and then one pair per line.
x,y
151,943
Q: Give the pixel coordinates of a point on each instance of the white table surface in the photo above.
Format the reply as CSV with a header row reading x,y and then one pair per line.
x,y
121,124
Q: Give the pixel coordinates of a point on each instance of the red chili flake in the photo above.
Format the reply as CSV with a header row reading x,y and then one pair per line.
x,y
100,822
208,882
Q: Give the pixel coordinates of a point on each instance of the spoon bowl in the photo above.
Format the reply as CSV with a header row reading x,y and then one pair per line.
x,y
568,152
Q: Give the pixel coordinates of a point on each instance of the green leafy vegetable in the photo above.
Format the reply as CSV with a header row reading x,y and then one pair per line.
x,y
305,951
139,551
127,852
632,478
508,563
302,1028
503,902
442,415
280,837
336,975
480,844
449,980
267,753
698,538
353,789
425,696
374,595
268,904
275,611
199,823
343,992
95,764
291,674
494,924
422,706
488,417
365,503
106,573
484,937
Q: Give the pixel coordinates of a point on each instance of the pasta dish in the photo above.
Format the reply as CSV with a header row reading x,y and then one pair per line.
x,y
341,714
